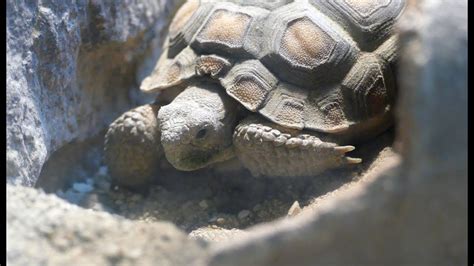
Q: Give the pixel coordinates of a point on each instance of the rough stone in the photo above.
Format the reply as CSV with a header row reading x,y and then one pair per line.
x,y
203,204
71,69
415,214
243,214
214,235
294,210
45,230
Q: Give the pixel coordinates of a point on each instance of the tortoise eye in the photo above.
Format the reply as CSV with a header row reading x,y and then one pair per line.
x,y
201,133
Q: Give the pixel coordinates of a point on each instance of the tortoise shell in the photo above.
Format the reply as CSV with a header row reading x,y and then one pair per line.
x,y
322,65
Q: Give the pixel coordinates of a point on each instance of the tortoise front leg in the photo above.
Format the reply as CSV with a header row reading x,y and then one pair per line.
x,y
132,147
270,150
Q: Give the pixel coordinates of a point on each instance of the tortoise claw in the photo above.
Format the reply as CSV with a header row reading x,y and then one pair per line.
x,y
351,160
344,149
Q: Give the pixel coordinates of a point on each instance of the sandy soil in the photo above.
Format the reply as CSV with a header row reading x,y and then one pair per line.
x,y
213,205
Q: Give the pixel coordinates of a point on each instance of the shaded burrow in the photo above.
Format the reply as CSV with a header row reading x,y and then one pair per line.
x,y
224,196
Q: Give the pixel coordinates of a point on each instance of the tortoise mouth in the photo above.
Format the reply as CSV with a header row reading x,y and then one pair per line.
x,y
195,159
189,161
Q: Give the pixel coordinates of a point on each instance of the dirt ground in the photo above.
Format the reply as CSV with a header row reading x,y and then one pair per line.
x,y
212,200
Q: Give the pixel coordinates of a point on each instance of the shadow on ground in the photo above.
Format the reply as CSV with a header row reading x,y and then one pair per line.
x,y
229,199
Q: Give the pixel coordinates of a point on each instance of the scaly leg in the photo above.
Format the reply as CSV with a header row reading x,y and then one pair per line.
x,y
132,147
271,150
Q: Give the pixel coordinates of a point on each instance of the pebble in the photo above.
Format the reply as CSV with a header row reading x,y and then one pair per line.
x,y
104,185
135,253
60,193
111,249
220,220
203,204
294,209
243,214
62,242
188,204
100,207
135,198
73,196
257,207
89,200
82,187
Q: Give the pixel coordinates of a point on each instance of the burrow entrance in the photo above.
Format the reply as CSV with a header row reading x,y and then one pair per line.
x,y
222,197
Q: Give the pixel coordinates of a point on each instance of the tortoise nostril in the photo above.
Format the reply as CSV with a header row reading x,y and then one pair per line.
x,y
201,133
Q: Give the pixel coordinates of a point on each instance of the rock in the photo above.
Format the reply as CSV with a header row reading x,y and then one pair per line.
x,y
243,214
73,196
135,198
71,68
294,209
70,164
103,185
214,235
82,187
45,230
103,171
220,220
416,213
257,208
203,204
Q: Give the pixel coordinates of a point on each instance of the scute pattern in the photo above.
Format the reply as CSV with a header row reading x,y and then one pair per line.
x,y
289,112
211,65
182,17
306,44
224,28
249,83
331,110
305,48
369,22
171,72
368,88
322,65
248,91
182,32
324,111
267,4
286,106
366,8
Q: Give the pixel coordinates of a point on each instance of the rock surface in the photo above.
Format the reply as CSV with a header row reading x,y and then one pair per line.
x,y
45,230
415,214
72,67
214,235
412,213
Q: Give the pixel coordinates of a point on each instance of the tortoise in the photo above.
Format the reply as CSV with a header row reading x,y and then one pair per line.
x,y
287,87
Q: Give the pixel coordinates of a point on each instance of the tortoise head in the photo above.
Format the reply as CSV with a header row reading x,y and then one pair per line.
x,y
197,127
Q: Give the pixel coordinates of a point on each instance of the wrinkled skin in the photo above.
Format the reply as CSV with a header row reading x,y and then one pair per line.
x,y
351,100
197,127
203,126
